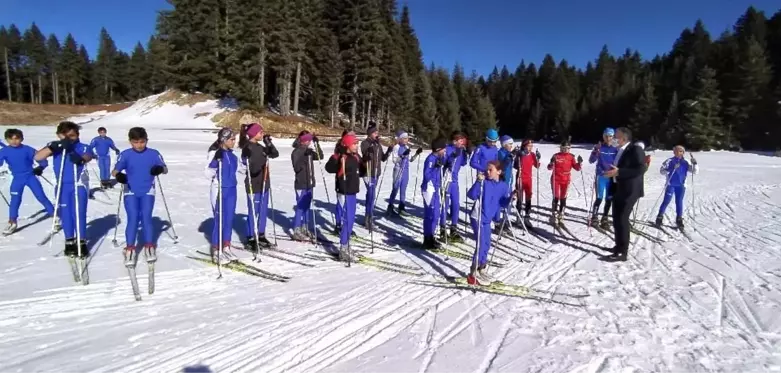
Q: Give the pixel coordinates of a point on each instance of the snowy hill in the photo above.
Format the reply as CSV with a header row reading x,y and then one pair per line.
x,y
706,304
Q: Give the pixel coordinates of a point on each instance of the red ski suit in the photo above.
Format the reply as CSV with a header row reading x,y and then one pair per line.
x,y
524,166
564,163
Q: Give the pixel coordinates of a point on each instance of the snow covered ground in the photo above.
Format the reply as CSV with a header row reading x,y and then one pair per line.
x,y
710,304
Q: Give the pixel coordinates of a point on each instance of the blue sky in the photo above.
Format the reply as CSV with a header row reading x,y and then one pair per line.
x,y
476,33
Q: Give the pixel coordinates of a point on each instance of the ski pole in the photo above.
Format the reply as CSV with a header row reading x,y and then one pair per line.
x,y
417,172
219,216
371,209
325,185
479,228
57,192
5,199
585,197
116,226
252,209
271,201
377,192
694,200
46,180
309,166
167,211
77,210
344,216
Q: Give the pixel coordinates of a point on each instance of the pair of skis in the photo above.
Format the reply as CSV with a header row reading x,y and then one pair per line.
x,y
241,267
79,270
131,271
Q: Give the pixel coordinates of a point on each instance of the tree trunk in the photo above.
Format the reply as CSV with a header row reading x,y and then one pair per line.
x,y
284,97
19,91
111,95
67,99
32,91
7,75
262,77
40,88
354,100
73,94
334,106
54,88
369,111
298,88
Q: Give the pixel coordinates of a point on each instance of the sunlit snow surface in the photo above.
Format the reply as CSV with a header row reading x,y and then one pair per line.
x,y
659,311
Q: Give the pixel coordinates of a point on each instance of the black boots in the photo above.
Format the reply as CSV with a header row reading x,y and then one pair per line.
x,y
72,249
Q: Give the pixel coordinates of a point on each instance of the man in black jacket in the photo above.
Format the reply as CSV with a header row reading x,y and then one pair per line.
x,y
627,186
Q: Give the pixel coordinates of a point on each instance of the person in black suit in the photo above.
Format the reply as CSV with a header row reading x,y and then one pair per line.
x,y
627,186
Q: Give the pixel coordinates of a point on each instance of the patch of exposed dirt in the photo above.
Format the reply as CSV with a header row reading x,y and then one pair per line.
x,y
180,98
277,125
12,113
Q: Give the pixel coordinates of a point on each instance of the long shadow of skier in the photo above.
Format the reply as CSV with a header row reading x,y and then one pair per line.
x,y
158,227
412,247
31,223
97,230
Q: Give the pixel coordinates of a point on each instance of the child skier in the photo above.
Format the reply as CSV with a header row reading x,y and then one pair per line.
x,y
373,156
430,189
339,149
254,159
401,160
675,169
70,157
562,164
506,157
490,195
20,160
526,162
456,157
603,155
221,169
141,165
303,166
101,145
486,152
347,167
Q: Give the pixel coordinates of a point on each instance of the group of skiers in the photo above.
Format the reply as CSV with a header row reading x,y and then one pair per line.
x,y
352,163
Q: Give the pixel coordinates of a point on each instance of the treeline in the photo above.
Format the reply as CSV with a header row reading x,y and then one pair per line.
x,y
324,57
705,93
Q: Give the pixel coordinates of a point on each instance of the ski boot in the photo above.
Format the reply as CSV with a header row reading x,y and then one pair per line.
x,y
368,223
443,234
659,221
131,256
402,210
10,228
594,220
70,248
310,235
527,220
263,243
150,253
483,278
337,230
251,245
604,223
430,243
454,236
679,222
299,235
345,254
390,211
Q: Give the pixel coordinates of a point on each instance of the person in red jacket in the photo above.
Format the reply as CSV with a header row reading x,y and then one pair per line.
x,y
562,164
526,161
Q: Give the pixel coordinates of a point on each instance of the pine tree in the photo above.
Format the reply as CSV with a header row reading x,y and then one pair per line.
x,y
5,69
53,66
701,115
753,77
34,50
105,68
71,69
86,80
645,114
14,45
447,110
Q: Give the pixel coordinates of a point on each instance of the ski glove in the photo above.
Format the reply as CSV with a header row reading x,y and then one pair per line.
x,y
420,150
116,152
38,171
694,161
267,140
406,152
390,150
456,153
315,139
157,170
538,155
580,159
58,146
121,178
76,158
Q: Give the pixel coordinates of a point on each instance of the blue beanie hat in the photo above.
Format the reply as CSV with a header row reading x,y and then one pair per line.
x,y
491,135
506,139
400,134
609,131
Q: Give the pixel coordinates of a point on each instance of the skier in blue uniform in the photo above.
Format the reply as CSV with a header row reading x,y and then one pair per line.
x,y
506,157
430,189
490,195
604,154
486,152
401,160
257,149
20,160
141,165
70,157
101,145
456,155
675,169
347,166
221,169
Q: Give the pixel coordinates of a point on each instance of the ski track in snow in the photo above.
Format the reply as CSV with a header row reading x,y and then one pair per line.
x,y
659,311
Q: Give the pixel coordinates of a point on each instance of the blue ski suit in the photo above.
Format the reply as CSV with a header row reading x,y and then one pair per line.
x,y
675,169
70,179
506,157
139,192
223,186
482,155
430,190
401,160
455,159
101,146
20,161
604,156
495,197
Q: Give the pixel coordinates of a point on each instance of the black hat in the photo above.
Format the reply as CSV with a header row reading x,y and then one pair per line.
x,y
566,143
438,144
372,129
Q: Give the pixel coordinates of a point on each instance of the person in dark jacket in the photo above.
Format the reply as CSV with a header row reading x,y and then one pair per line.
x,y
302,157
372,156
256,151
339,149
347,167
